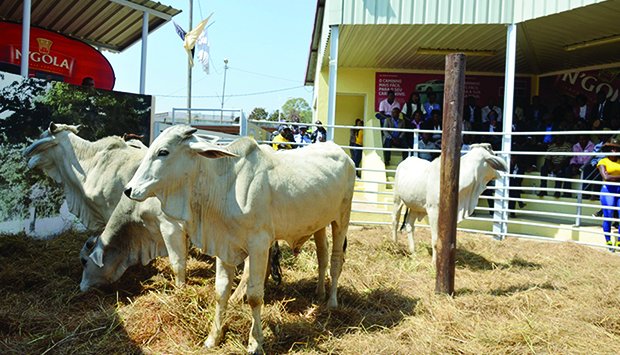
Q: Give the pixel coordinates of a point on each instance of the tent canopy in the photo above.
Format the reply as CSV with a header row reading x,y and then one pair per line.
x,y
113,25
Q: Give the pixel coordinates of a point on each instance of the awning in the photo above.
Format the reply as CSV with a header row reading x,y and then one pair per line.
x,y
113,25
578,38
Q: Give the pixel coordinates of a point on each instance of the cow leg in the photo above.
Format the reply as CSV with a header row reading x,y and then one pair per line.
x,y
398,205
410,225
224,274
243,283
339,232
255,292
433,222
320,239
176,243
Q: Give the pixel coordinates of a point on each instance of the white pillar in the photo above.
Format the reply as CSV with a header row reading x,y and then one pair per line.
x,y
189,67
333,78
145,34
501,228
25,39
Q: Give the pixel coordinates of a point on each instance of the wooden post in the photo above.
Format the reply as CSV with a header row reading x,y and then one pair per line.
x,y
450,162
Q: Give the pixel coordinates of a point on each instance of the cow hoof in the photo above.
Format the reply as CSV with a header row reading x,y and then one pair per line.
x,y
255,348
211,342
332,304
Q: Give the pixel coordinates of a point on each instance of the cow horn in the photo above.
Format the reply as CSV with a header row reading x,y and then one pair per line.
x,y
189,132
38,145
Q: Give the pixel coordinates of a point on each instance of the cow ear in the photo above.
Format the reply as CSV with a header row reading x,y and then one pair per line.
x,y
97,257
52,128
210,151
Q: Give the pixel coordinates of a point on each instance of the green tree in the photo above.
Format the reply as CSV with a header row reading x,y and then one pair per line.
x,y
103,113
274,116
259,114
297,109
23,111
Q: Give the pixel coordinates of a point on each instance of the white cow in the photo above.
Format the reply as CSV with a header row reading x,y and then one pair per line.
x,y
235,201
416,186
94,175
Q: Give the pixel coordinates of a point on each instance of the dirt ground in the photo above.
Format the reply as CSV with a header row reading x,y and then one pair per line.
x,y
512,296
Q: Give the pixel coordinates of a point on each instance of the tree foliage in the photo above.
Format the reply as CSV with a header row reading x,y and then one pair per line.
x,y
26,109
274,116
259,114
297,110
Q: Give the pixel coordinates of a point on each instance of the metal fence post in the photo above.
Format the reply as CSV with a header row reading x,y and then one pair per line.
x,y
416,142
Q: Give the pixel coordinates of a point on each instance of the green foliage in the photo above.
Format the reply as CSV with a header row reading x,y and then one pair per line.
x,y
274,116
18,182
103,113
259,114
297,110
27,107
21,102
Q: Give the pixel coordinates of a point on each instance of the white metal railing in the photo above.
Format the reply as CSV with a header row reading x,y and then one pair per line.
x,y
380,206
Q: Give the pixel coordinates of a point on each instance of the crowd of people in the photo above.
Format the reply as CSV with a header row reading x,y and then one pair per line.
x,y
295,136
569,114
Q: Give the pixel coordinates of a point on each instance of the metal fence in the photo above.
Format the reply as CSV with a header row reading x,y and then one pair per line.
x,y
564,219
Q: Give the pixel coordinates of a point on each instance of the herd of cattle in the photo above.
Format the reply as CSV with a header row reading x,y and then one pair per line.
x,y
232,202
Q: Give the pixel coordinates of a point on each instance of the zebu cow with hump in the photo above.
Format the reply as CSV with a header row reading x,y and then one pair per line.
x,y
93,175
416,186
234,201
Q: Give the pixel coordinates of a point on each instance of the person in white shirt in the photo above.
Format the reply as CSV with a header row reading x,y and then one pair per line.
x,y
386,106
302,137
493,110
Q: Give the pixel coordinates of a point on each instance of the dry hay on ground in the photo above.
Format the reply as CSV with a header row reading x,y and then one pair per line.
x,y
511,297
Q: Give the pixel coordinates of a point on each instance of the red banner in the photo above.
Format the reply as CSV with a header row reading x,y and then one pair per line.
x,y
54,56
588,83
482,87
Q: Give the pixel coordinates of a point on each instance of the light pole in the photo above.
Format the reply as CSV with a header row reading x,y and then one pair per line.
x,y
189,69
223,90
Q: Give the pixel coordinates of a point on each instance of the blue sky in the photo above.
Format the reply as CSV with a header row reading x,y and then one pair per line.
x,y
266,43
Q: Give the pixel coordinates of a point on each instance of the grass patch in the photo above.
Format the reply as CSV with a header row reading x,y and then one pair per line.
x,y
512,296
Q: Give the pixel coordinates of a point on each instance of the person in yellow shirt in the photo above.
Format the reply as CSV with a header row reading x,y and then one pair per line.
x,y
282,140
356,139
609,167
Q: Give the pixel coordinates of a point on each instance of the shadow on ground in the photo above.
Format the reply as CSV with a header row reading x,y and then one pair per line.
x,y
372,311
42,309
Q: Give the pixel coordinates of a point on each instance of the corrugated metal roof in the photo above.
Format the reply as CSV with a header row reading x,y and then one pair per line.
x,y
419,12
104,24
541,41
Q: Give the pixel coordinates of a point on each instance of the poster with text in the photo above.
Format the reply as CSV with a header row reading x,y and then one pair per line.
x,y
588,83
482,87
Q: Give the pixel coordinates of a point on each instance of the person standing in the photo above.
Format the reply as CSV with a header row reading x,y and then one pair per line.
x,y
473,114
356,139
609,167
302,138
283,139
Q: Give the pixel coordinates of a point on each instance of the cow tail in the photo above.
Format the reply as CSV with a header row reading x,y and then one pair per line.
x,y
276,269
402,227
